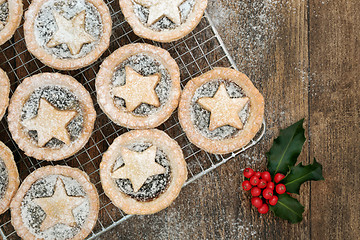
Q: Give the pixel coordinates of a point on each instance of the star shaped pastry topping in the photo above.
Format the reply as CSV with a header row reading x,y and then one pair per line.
x,y
138,89
224,110
71,32
162,8
138,166
58,208
50,123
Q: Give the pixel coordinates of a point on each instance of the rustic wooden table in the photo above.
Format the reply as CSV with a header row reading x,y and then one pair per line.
x,y
303,55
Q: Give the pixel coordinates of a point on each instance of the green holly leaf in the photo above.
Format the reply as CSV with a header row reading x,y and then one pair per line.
x,y
288,208
286,149
300,174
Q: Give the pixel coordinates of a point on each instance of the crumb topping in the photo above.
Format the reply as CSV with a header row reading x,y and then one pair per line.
x,y
4,178
4,14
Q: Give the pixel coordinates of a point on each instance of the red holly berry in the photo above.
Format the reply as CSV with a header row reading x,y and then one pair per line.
x,y
263,209
273,200
268,193
278,177
258,174
271,185
280,188
255,191
246,185
256,202
262,183
248,172
254,180
266,176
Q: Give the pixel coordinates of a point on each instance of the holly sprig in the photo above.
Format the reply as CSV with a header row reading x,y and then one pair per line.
x,y
282,158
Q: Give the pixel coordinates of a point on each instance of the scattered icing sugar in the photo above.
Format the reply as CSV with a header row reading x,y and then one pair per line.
x,y
164,23
4,14
201,117
33,215
45,25
187,218
251,159
4,178
61,98
154,185
255,25
144,65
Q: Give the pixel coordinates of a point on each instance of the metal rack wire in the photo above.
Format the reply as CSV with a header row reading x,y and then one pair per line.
x,y
196,54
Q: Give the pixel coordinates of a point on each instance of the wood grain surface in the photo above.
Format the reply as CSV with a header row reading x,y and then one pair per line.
x,y
304,57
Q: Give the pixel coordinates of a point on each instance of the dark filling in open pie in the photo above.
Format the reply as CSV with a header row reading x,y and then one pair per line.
x,y
4,14
33,215
154,185
45,25
146,66
201,117
4,178
164,23
62,99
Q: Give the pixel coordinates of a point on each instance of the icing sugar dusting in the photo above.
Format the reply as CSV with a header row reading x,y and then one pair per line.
x,y
201,117
62,99
154,185
4,178
256,32
33,215
186,220
164,23
144,65
45,25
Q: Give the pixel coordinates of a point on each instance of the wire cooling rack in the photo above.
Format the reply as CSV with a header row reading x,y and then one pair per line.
x,y
196,54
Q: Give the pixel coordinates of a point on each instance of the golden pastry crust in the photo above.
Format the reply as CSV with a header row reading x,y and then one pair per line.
x,y
21,95
13,177
66,64
4,92
14,19
177,164
104,87
127,7
81,177
243,137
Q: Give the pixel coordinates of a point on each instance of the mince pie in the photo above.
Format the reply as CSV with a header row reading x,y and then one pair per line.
x,y
11,12
51,116
221,111
9,177
67,34
143,171
163,20
55,202
138,86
